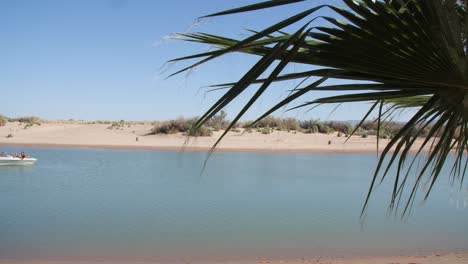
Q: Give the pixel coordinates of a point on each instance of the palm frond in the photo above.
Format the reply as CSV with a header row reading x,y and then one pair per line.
x,y
413,53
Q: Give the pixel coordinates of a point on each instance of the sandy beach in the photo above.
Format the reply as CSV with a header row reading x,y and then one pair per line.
x,y
449,258
134,136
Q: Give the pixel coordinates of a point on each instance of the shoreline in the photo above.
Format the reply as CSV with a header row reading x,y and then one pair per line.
x,y
135,137
192,148
456,257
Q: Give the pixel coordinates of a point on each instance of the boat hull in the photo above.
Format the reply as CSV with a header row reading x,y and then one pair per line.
x,y
10,161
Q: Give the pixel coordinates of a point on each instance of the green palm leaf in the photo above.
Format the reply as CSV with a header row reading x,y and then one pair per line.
x,y
414,53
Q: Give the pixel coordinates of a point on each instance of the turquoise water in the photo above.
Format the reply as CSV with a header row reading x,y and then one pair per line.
x,y
77,203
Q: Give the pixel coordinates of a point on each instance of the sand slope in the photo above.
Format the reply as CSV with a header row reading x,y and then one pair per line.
x,y
80,134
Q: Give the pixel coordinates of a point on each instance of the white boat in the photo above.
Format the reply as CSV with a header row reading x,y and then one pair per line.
x,y
10,161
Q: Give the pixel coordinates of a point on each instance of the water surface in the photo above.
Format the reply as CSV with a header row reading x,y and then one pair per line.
x,y
77,203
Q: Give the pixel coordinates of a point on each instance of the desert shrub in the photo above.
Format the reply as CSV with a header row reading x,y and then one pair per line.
x,y
3,120
342,127
339,134
315,126
170,127
103,122
28,125
280,124
163,129
389,129
288,124
9,136
364,135
324,129
368,125
265,131
218,122
268,121
309,124
180,125
203,131
384,136
338,126
118,125
314,129
28,119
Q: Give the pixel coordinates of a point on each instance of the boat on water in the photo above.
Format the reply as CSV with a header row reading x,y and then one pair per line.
x,y
13,161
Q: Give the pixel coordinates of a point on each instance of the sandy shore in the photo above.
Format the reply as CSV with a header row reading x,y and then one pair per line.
x,y
450,258
84,135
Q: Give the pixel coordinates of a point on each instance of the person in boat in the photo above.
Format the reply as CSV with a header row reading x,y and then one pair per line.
x,y
3,154
23,155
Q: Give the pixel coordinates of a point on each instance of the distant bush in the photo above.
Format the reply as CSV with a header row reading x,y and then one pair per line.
x,y
180,125
203,131
219,121
28,119
387,129
103,122
324,129
28,125
314,129
342,127
280,124
384,136
268,121
9,136
117,125
288,124
3,120
265,130
309,124
315,126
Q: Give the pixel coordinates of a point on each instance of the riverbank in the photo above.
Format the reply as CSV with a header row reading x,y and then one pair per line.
x,y
449,258
135,136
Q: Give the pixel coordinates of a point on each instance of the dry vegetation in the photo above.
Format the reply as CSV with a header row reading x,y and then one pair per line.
x,y
3,120
27,121
180,125
220,122
270,124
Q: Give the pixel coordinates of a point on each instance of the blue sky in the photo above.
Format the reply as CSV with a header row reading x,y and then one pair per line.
x,y
106,59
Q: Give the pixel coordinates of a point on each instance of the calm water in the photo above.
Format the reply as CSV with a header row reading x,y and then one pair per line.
x,y
128,204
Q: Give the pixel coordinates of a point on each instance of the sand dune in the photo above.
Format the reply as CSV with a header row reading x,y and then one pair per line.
x,y
87,135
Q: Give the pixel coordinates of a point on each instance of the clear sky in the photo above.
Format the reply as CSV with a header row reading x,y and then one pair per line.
x,y
105,59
